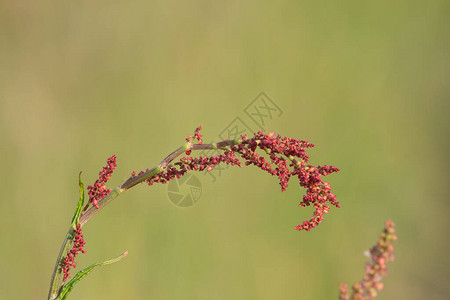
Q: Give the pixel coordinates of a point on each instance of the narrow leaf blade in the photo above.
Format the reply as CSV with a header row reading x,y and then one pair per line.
x,y
67,288
76,216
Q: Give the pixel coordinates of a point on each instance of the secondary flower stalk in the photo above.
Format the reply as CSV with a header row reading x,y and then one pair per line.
x,y
376,270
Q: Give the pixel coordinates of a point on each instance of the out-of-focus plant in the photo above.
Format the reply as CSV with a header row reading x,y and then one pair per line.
x,y
376,270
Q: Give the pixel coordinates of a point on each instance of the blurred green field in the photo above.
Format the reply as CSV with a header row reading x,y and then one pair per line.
x,y
367,82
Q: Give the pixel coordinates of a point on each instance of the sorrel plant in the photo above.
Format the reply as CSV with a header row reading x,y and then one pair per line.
x,y
279,156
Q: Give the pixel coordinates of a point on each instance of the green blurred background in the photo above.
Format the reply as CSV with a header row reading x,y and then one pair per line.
x,y
367,82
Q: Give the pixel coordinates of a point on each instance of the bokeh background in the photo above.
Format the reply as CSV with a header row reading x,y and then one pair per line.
x,y
367,82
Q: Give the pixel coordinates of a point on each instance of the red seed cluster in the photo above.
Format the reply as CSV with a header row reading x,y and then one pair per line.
x,y
318,192
375,271
197,136
99,190
207,163
288,159
166,176
69,260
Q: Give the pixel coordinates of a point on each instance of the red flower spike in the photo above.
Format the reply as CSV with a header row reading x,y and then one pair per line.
x,y
375,271
99,190
288,159
198,135
69,260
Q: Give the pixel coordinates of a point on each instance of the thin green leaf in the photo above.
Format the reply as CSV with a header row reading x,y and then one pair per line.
x,y
67,288
76,216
